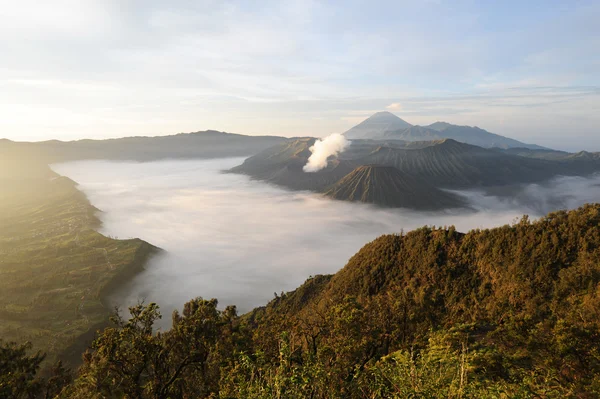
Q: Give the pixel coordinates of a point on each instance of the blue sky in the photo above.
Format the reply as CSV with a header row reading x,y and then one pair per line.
x,y
76,68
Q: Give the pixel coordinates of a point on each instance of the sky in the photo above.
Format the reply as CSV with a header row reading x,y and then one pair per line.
x,y
74,69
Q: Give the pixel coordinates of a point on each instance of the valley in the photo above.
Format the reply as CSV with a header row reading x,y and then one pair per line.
x,y
67,262
299,199
80,237
240,240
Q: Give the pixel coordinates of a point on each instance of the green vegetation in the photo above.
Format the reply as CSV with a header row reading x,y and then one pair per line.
x,y
18,374
54,268
510,312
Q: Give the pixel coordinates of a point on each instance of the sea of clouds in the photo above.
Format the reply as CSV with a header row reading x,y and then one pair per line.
x,y
239,240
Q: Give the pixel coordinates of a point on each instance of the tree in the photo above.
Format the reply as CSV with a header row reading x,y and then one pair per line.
x,y
132,360
18,371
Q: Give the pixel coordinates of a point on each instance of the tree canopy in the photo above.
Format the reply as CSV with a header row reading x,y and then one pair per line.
x,y
509,312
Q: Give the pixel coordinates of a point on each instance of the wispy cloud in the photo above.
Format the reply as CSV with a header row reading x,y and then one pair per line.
x,y
294,67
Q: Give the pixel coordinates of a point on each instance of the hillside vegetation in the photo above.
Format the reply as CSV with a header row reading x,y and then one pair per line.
x,y
54,268
509,312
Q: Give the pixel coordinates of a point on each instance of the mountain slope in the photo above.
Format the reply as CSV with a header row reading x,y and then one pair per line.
x,y
376,126
385,125
414,133
441,164
282,165
478,137
509,312
451,164
56,271
525,295
387,186
208,144
536,153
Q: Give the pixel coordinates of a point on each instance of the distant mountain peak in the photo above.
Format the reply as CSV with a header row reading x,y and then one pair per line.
x,y
376,126
384,114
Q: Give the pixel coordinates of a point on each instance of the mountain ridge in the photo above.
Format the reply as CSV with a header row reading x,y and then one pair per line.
x,y
442,164
386,125
202,144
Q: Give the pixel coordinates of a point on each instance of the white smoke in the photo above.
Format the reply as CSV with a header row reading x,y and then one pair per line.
x,y
323,149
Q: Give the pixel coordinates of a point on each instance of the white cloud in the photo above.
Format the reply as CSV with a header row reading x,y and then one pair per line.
x,y
289,67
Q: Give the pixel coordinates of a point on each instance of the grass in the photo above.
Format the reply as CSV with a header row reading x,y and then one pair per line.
x,y
55,269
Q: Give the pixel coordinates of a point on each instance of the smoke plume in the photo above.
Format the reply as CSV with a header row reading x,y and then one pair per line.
x,y
323,149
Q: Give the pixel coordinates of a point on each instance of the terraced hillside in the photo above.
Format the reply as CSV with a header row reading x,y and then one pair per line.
x,y
387,186
55,269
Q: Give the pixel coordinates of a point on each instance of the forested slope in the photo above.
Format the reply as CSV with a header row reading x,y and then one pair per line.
x,y
525,299
509,312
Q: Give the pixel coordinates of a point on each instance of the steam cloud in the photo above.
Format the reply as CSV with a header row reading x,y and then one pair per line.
x,y
323,149
239,240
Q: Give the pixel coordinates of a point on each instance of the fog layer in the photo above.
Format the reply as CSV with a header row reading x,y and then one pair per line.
x,y
239,240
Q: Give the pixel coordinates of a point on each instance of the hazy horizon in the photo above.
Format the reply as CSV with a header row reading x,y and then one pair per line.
x,y
571,148
105,69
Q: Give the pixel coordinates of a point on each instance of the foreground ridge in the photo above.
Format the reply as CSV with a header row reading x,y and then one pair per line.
x,y
503,312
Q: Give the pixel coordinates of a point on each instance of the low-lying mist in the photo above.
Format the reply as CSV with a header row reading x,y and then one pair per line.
x,y
239,240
